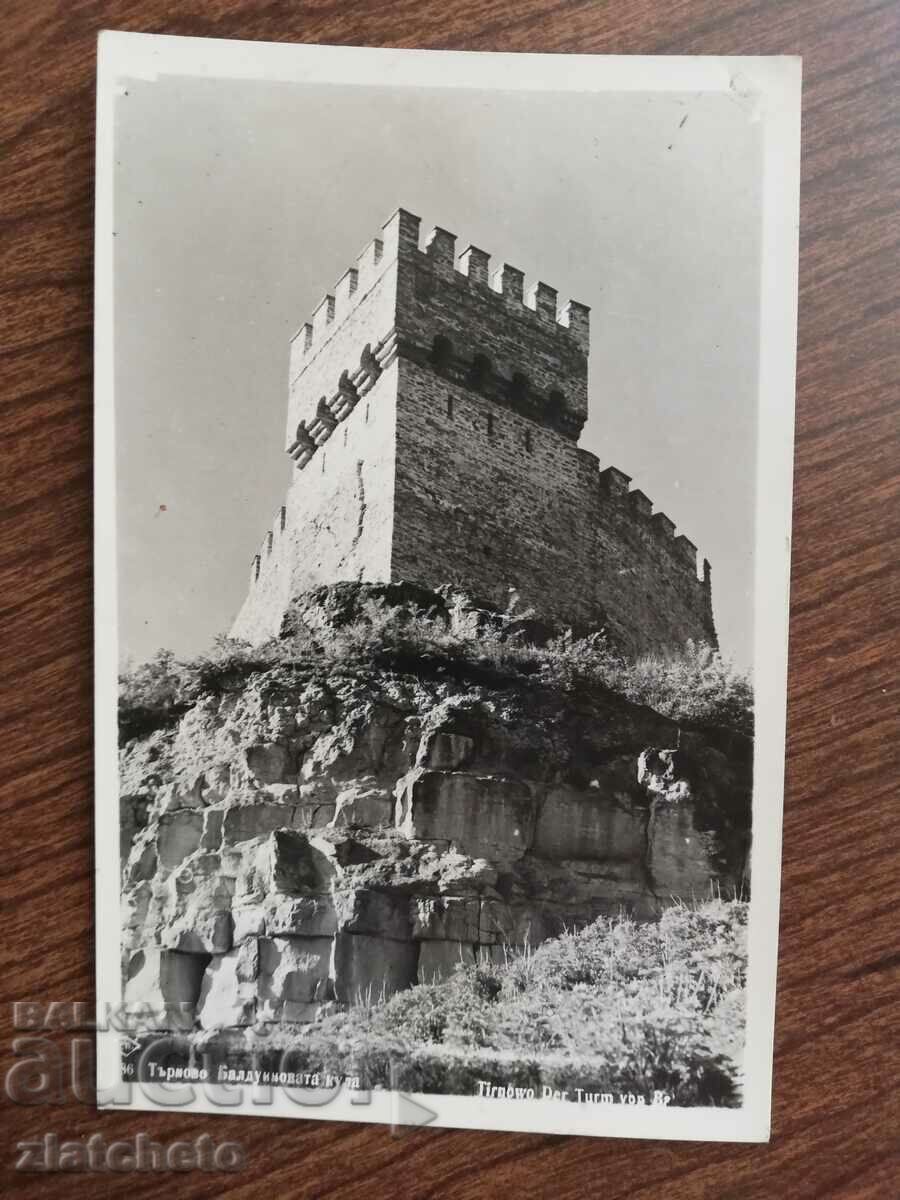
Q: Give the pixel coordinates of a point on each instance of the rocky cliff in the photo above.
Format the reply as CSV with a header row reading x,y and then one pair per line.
x,y
314,834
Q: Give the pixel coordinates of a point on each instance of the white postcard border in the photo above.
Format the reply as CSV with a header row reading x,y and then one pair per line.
x,y
769,88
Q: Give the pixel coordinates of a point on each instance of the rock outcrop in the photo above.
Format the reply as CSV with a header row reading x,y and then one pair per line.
x,y
315,837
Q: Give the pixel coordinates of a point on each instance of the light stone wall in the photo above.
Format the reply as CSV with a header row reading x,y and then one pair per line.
x,y
339,515
363,318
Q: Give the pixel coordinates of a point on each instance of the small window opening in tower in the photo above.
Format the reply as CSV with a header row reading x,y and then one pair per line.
x,y
490,424
480,370
323,462
519,386
345,435
450,407
528,445
367,415
441,351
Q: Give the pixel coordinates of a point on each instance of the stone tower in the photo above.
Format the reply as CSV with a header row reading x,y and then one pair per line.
x,y
433,419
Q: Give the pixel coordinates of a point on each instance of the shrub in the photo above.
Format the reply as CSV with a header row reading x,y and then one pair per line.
x,y
155,694
696,684
617,1007
151,695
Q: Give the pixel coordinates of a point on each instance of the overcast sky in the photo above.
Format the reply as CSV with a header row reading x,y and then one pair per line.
x,y
238,205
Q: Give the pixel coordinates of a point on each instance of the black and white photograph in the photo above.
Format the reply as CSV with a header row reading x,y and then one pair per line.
x,y
444,417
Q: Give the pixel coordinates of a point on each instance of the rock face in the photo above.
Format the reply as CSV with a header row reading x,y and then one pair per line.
x,y
311,838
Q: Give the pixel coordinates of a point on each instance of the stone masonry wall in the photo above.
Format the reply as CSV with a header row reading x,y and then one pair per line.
x,y
511,504
359,314
534,359
433,420
338,516
269,584
474,506
492,490
645,578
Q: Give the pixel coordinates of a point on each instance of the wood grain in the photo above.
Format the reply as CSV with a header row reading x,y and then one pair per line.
x,y
836,1112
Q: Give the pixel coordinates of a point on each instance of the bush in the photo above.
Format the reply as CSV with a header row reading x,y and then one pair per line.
x,y
155,694
617,1007
696,684
151,695
693,684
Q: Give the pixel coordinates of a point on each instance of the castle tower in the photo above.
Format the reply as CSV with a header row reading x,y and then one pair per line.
x,y
433,420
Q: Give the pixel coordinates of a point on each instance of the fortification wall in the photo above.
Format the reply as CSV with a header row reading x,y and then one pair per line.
x,y
268,586
342,505
646,576
433,421
492,491
338,515
488,499
338,354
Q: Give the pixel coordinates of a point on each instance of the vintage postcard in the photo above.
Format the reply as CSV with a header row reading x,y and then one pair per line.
x,y
444,422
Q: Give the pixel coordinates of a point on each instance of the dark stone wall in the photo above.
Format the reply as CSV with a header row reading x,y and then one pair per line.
x,y
473,505
491,489
530,362
645,580
489,499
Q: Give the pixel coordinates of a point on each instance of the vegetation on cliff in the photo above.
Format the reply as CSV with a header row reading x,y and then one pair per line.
x,y
616,1008
425,633
384,842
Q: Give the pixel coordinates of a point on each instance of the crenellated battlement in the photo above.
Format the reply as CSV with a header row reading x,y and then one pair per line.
x,y
400,240
507,283
615,487
270,547
403,298
333,309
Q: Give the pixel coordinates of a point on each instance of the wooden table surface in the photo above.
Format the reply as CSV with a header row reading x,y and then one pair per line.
x,y
836,1112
